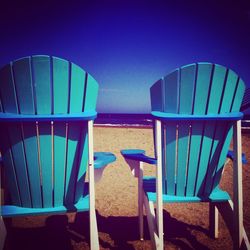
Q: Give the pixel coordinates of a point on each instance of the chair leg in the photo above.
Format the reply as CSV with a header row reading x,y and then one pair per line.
x,y
227,211
149,207
213,220
140,200
3,233
94,240
159,190
237,186
156,241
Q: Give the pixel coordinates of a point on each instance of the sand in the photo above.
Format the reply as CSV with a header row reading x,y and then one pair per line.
x,y
185,225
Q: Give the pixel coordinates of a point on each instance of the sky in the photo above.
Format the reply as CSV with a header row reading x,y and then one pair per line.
x,y
128,45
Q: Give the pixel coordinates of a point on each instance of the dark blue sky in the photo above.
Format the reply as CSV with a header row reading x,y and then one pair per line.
x,y
128,45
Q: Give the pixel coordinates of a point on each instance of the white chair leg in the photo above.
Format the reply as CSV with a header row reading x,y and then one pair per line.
x,y
226,209
213,220
94,241
151,218
237,186
159,201
140,200
3,233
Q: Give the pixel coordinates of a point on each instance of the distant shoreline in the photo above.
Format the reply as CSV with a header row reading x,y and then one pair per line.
x,y
244,128
123,126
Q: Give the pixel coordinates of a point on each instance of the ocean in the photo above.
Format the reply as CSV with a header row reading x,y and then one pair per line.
x,y
124,120
140,120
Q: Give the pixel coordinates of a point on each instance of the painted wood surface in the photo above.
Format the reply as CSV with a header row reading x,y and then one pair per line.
x,y
196,150
46,161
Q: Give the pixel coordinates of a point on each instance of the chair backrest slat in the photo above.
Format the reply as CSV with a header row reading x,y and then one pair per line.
x,y
195,152
91,93
72,162
22,76
194,156
222,138
239,93
46,164
61,91
14,137
171,88
231,84
60,157
7,90
156,92
216,90
182,158
206,147
23,86
19,155
7,157
187,76
201,96
46,161
170,158
187,86
77,89
42,83
60,85
216,76
32,159
83,162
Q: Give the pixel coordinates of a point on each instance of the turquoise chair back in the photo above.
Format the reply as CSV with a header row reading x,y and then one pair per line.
x,y
194,152
45,161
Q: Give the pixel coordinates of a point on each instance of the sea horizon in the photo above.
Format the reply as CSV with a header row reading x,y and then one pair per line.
x,y
124,119
139,120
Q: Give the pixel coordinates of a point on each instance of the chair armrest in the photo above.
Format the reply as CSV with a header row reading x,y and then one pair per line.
x,y
137,155
101,159
234,116
230,155
83,116
134,157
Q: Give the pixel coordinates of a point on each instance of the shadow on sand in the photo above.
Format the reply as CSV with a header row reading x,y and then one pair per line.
x,y
117,233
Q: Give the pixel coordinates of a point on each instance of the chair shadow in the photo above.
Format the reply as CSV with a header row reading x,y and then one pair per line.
x,y
122,230
53,235
175,229
58,233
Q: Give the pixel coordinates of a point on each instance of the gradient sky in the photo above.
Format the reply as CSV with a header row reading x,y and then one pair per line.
x,y
128,45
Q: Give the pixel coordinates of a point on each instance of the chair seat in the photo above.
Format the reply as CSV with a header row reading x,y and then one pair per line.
x,y
13,211
149,186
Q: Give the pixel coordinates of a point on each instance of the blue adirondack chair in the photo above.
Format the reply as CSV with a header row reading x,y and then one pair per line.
x,y
245,105
47,108
196,111
246,100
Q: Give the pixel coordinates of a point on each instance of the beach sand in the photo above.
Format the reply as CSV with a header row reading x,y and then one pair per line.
x,y
185,225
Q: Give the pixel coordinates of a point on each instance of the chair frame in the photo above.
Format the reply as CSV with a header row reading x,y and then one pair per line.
x,y
94,240
185,104
58,108
231,211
